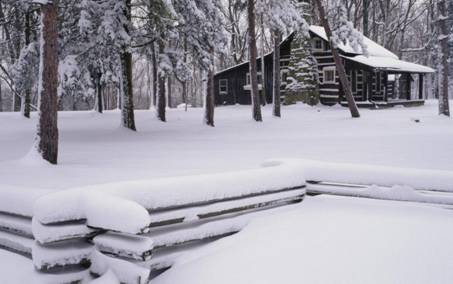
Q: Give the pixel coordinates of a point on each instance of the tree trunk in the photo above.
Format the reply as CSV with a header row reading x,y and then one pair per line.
x,y
184,83
1,101
47,130
169,94
155,78
210,104
444,108
338,63
263,78
276,78
99,94
256,107
365,18
27,100
127,92
161,102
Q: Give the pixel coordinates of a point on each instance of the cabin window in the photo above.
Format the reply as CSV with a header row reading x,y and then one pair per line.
x,y
258,74
317,44
283,76
223,86
329,74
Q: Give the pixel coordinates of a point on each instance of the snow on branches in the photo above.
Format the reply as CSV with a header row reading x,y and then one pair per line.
x,y
281,15
343,32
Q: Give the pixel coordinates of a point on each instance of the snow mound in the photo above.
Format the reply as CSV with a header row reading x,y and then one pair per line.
x,y
125,272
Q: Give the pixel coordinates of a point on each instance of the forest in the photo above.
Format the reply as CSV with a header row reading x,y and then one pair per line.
x,y
226,141
136,54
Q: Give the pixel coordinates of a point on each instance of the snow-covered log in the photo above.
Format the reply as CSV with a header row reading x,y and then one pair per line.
x,y
16,224
126,246
419,179
47,234
396,192
165,194
227,207
76,254
16,243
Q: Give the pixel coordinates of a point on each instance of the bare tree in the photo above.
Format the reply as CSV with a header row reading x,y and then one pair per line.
x,y
238,40
47,130
253,65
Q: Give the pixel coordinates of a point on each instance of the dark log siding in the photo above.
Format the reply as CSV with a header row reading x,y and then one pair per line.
x,y
237,75
368,85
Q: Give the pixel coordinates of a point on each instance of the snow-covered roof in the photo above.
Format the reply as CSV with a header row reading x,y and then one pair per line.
x,y
373,48
390,64
378,56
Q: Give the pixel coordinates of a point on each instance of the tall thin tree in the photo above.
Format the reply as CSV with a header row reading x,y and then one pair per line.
x,y
127,103
345,85
26,108
444,108
276,78
210,103
46,141
256,107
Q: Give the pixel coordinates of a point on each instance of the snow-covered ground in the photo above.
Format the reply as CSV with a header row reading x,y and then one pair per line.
x,y
329,240
348,240
94,149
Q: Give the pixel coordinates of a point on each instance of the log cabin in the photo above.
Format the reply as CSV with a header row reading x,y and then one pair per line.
x,y
377,76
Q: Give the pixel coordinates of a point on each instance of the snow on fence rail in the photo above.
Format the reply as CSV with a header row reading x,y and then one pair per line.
x,y
117,228
128,230
377,182
359,174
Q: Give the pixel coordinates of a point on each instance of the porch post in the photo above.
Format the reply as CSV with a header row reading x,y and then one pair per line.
x,y
370,85
420,86
364,85
408,86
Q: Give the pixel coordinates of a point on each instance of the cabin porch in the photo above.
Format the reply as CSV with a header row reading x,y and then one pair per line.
x,y
384,84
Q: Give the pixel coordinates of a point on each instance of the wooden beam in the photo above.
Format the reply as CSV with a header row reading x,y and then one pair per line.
x,y
420,86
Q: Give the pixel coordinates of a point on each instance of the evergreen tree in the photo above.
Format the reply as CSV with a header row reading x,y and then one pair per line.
x,y
302,77
281,17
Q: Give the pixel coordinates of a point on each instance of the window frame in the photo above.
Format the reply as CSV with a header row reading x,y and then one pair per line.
x,y
225,86
248,79
318,40
284,76
324,77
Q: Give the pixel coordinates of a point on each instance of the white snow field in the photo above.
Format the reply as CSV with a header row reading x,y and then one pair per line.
x,y
322,240
329,240
94,149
